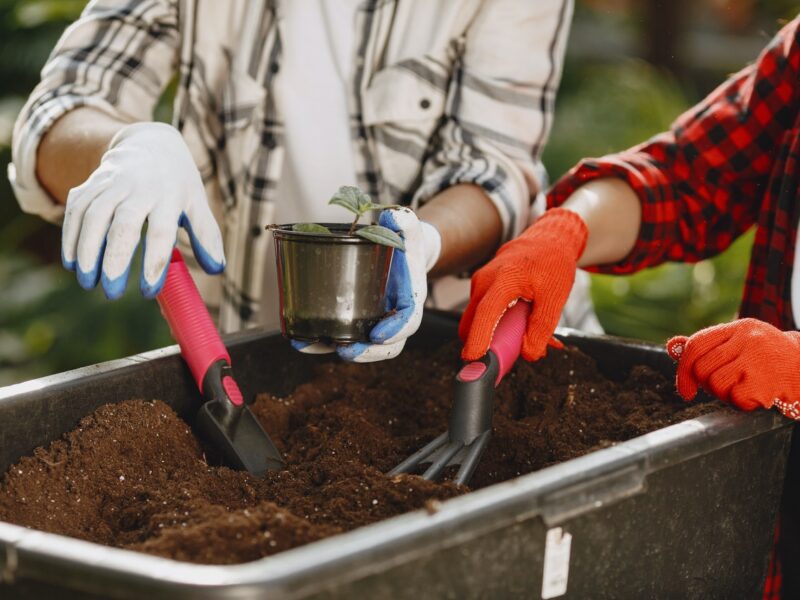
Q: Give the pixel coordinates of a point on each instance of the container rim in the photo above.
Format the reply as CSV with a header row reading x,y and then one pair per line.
x,y
338,235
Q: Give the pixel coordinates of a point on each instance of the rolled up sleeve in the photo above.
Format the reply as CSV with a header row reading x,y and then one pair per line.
x,y
117,58
500,106
702,183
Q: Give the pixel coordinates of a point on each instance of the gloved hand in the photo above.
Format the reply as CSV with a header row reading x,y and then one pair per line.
x,y
147,174
539,266
747,362
406,291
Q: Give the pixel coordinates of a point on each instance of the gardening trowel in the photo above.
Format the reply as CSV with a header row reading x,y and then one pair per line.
x,y
224,418
470,421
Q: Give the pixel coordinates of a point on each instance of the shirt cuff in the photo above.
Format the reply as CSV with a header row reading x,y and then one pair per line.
x,y
505,189
652,243
31,195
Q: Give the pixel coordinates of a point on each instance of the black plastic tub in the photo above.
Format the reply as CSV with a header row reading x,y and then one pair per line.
x,y
685,512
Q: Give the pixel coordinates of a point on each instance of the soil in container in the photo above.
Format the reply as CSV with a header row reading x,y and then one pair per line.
x,y
133,475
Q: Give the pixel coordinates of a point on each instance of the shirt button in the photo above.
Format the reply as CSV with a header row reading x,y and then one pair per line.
x,y
255,231
269,141
274,67
425,104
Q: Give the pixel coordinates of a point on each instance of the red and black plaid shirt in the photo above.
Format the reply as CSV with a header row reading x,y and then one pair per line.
x,y
729,162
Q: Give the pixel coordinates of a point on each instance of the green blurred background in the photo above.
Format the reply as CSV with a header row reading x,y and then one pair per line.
x,y
632,67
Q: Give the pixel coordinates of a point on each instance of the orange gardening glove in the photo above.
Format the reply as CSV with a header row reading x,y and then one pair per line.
x,y
747,362
539,266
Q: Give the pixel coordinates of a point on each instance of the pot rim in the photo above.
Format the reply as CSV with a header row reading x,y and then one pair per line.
x,y
285,232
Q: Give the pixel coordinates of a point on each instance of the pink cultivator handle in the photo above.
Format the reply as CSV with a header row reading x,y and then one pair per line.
x,y
193,329
506,345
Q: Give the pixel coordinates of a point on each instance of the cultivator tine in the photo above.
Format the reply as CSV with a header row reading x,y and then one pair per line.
x,y
412,462
474,452
442,460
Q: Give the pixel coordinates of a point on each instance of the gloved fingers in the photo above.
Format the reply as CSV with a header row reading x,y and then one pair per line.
x,y
406,295
489,311
78,201
94,227
407,287
696,346
403,221
162,229
366,353
721,382
312,347
707,364
705,340
399,325
123,239
538,334
749,395
205,236
465,324
676,346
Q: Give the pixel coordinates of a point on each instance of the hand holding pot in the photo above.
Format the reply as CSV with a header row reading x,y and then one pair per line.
x,y
539,266
747,362
147,174
406,291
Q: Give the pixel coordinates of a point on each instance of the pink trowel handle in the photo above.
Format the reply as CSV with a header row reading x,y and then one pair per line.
x,y
192,327
506,344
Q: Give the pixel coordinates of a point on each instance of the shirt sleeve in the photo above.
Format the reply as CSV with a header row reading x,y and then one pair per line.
x,y
701,183
117,58
500,106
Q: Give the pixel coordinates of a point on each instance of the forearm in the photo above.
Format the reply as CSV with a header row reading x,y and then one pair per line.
x,y
71,150
469,224
612,213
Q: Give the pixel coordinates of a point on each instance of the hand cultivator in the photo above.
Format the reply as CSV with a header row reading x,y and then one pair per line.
x,y
470,422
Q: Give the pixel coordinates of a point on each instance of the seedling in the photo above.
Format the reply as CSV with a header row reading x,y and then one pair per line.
x,y
358,203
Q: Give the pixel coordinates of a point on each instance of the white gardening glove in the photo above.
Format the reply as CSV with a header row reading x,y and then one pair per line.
x,y
147,174
406,291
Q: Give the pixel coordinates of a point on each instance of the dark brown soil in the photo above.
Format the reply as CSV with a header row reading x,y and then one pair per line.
x,y
133,475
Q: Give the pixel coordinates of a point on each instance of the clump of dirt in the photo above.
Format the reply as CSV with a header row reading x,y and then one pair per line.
x,y
133,475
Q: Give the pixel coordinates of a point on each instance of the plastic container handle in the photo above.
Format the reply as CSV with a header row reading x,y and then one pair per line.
x,y
189,321
506,344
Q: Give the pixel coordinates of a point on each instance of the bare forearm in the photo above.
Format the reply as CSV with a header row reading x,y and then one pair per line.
x,y
469,224
71,150
612,213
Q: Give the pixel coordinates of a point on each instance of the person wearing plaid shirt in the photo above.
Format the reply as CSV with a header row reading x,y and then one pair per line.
x,y
727,164
442,106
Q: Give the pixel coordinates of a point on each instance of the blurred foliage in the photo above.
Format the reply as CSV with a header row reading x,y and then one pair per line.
x,y
47,322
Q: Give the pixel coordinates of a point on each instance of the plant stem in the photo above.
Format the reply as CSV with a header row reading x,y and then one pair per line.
x,y
353,226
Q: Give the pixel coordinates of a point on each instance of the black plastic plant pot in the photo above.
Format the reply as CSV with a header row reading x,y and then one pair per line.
x,y
332,286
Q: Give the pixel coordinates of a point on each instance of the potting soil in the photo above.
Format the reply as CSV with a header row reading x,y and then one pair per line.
x,y
133,475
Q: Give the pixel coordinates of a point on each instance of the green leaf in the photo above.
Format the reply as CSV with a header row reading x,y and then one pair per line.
x,y
351,198
383,206
310,228
381,235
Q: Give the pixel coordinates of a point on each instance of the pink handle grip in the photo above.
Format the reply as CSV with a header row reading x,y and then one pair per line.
x,y
507,339
189,321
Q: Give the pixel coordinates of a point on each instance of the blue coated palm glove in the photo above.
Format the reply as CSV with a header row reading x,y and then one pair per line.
x,y
406,291
147,175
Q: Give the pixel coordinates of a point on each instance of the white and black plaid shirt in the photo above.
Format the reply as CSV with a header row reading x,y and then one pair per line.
x,y
443,92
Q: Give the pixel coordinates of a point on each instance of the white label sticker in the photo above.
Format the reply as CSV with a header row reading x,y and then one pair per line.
x,y
556,563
